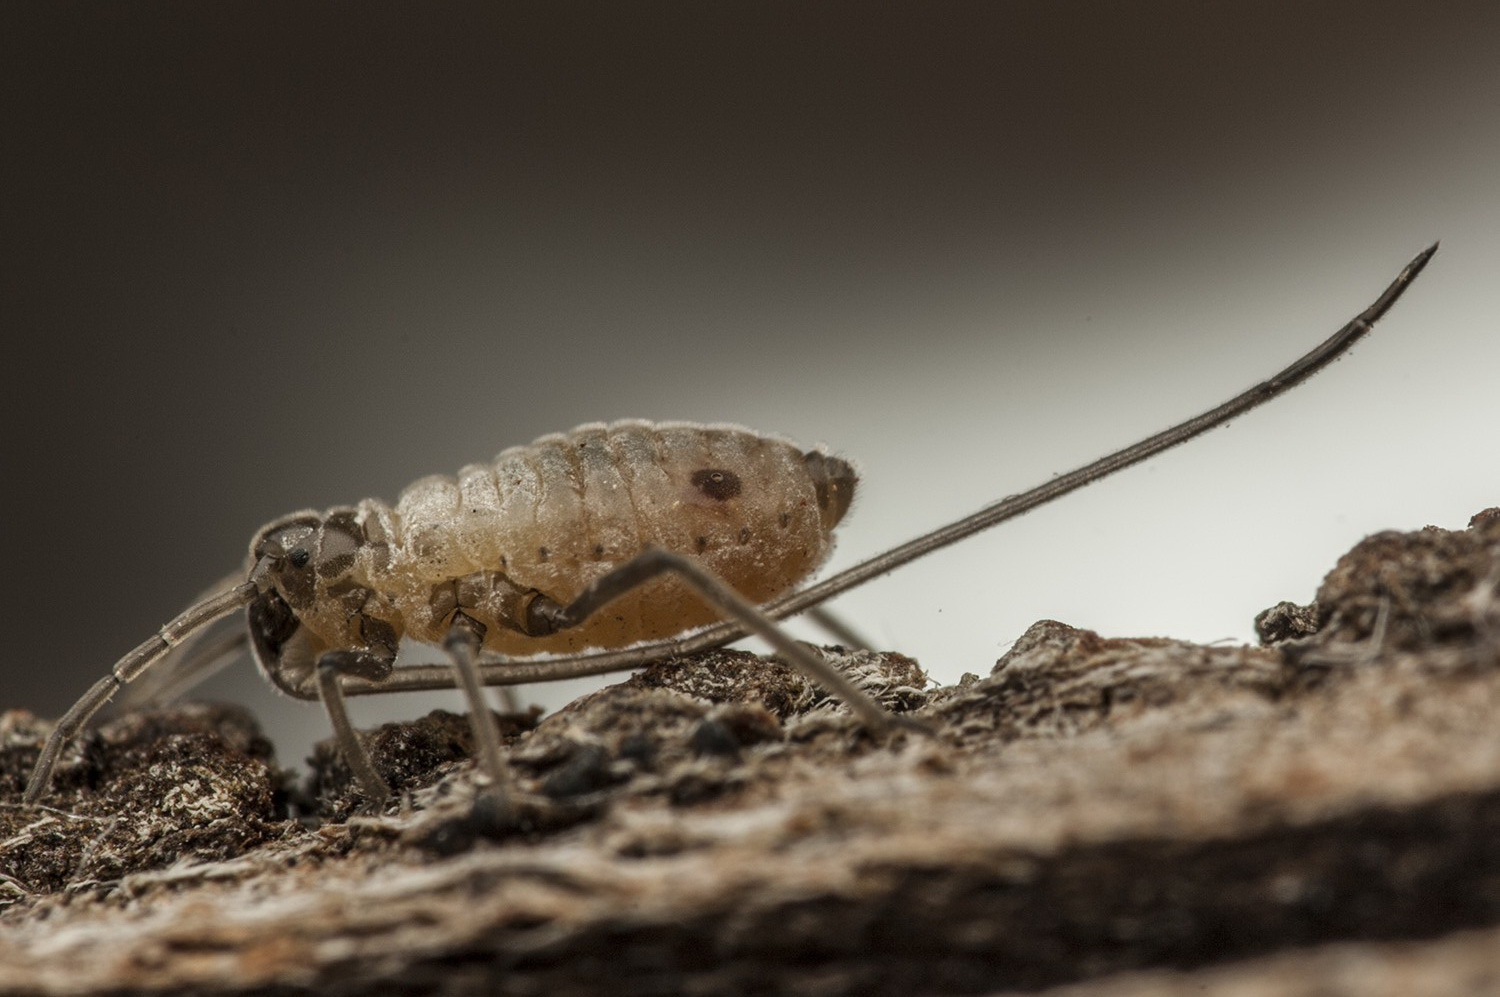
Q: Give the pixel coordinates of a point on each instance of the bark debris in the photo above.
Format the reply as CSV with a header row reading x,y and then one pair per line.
x,y
1319,814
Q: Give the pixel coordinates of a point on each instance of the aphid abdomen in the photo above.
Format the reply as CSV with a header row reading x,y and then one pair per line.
x,y
613,530
479,528
564,511
778,536
742,504
569,508
547,551
431,515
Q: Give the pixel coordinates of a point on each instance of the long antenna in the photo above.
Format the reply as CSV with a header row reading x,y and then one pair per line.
x,y
126,670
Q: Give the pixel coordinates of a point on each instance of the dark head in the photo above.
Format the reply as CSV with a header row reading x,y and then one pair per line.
x,y
834,480
291,554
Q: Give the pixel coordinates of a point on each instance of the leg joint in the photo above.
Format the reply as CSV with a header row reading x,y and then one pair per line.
x,y
351,661
463,632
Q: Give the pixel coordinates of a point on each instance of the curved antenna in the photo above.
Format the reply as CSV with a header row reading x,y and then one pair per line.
x,y
509,672
126,670
175,675
193,659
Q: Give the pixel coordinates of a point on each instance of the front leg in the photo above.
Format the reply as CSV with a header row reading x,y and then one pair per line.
x,y
365,664
288,656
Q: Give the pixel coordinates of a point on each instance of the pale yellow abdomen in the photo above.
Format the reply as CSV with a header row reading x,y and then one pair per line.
x,y
563,511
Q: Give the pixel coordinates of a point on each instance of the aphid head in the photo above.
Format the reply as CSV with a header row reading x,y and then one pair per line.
x,y
282,557
292,554
834,480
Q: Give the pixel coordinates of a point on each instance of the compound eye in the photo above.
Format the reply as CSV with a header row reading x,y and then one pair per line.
x,y
299,557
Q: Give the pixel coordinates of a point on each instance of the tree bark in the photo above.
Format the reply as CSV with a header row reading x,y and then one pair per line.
x,y
1320,814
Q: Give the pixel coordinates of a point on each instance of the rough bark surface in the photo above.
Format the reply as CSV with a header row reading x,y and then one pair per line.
x,y
1319,815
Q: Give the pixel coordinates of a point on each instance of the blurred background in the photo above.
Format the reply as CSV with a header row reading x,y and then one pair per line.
x,y
260,258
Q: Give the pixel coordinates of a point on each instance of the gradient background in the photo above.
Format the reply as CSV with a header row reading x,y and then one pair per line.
x,y
292,256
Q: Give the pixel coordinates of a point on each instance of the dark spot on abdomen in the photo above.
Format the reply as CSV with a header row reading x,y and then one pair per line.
x,y
717,484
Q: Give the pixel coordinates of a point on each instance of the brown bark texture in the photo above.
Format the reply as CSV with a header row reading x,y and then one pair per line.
x,y
1316,815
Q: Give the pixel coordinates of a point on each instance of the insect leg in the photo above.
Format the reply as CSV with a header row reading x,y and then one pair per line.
x,y
174,676
462,643
506,699
838,629
126,670
363,664
547,616
296,662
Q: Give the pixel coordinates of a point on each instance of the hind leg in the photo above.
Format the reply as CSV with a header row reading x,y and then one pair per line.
x,y
545,616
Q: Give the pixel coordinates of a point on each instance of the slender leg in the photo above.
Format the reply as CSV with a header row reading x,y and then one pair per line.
x,y
549,617
462,642
838,629
506,699
365,664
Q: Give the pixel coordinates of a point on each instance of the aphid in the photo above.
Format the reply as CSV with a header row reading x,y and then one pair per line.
x,y
608,547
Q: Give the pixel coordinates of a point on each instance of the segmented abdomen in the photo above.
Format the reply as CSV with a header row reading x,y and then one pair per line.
x,y
563,511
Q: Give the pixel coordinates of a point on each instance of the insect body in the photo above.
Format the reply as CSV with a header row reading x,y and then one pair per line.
x,y
608,536
512,541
